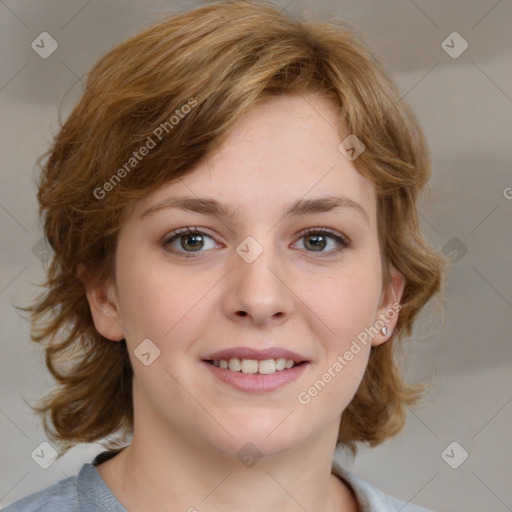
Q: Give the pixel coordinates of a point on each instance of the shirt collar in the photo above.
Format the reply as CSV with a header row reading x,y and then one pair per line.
x,y
94,495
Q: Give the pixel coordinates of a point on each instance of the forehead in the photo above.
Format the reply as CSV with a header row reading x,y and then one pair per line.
x,y
282,150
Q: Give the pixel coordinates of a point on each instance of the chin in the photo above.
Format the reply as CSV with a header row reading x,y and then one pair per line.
x,y
266,435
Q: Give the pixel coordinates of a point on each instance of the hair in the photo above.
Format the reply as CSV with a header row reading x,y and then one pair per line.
x,y
222,59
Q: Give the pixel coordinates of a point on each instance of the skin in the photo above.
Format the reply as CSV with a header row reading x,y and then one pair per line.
x,y
189,425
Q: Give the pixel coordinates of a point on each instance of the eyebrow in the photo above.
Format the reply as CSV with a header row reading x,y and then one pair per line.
x,y
299,207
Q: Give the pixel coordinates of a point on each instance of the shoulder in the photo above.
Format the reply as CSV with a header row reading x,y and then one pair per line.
x,y
61,496
370,498
85,492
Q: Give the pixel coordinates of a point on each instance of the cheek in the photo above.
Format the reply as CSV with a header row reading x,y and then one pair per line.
x,y
340,316
342,305
147,299
161,303
350,304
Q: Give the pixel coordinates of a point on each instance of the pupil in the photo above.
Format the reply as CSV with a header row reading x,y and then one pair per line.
x,y
197,239
316,245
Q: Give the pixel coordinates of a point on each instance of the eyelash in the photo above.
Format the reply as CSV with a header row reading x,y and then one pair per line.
x,y
342,241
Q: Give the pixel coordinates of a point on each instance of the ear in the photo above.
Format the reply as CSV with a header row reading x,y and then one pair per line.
x,y
389,307
103,303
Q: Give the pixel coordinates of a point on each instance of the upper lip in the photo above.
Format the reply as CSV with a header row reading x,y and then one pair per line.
x,y
259,354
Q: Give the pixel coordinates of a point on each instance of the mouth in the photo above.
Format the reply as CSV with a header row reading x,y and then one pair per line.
x,y
252,366
256,371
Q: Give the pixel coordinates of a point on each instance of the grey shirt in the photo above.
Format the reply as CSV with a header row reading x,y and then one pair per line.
x,y
87,492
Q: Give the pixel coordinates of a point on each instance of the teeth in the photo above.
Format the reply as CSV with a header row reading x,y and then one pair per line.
x,y
280,363
249,366
234,364
264,367
267,366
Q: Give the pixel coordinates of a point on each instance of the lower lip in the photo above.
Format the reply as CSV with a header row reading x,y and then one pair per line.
x,y
256,382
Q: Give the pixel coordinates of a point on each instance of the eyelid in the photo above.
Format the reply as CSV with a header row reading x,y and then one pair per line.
x,y
329,231
343,241
176,234
187,230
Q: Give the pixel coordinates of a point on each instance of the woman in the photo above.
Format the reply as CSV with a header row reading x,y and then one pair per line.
x,y
236,256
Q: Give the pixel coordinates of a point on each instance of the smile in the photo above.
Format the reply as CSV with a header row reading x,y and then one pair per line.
x,y
263,367
256,370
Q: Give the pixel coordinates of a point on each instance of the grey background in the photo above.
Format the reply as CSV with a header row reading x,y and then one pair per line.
x,y
465,107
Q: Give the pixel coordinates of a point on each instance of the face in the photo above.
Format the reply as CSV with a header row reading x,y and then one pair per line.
x,y
280,261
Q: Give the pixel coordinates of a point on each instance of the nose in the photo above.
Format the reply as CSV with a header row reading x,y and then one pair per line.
x,y
259,292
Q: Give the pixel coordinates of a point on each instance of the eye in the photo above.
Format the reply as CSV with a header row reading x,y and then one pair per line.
x,y
188,239
191,240
318,238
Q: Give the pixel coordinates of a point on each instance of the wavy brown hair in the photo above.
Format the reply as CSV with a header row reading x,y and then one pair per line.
x,y
227,57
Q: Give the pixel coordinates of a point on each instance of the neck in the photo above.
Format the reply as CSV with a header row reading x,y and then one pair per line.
x,y
179,475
